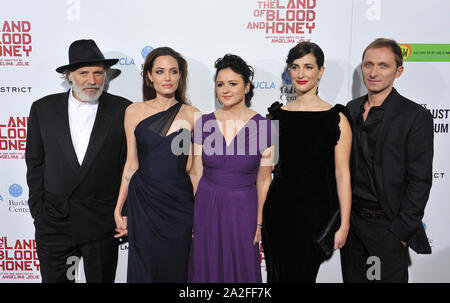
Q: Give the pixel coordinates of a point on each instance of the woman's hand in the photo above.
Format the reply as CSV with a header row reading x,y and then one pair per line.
x,y
340,237
121,225
257,238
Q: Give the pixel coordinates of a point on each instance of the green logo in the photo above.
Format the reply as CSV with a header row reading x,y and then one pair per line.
x,y
418,52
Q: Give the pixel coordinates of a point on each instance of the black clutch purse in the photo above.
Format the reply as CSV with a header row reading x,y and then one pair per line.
x,y
325,241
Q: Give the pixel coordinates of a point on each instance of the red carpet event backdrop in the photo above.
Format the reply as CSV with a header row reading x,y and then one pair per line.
x,y
35,36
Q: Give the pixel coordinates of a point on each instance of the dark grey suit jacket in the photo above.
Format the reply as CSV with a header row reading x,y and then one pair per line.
x,y
403,166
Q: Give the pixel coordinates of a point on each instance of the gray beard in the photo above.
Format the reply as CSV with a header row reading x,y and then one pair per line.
x,y
87,97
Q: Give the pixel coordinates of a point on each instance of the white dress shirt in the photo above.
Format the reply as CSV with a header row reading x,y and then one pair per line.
x,y
81,121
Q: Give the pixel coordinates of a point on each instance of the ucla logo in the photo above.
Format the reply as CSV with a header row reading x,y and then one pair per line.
x,y
264,85
15,190
145,51
126,61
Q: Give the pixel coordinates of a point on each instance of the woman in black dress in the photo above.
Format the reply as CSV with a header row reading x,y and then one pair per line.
x,y
155,181
312,177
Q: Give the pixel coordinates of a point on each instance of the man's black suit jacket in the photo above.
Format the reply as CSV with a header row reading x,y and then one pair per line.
x,y
403,166
58,185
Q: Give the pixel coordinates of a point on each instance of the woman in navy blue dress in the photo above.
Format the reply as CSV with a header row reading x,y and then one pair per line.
x,y
155,182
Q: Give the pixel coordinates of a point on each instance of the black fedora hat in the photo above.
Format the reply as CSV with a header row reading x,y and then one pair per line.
x,y
85,52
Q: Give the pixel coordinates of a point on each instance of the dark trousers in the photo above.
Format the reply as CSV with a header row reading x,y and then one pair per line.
x,y
372,253
58,255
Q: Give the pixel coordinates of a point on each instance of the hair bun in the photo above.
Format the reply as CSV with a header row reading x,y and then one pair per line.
x,y
239,66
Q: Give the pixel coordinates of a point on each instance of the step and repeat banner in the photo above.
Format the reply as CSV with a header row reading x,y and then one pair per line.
x,y
35,36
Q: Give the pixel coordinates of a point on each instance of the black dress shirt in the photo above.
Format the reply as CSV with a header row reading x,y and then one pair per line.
x,y
366,132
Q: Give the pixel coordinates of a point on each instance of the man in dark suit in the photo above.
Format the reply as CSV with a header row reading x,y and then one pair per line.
x,y
75,153
391,165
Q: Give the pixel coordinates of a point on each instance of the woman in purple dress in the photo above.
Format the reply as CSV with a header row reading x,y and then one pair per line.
x,y
231,173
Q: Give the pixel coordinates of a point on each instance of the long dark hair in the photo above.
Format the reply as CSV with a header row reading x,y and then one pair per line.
x,y
239,66
148,91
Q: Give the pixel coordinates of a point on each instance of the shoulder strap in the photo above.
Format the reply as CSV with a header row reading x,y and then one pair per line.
x,y
163,120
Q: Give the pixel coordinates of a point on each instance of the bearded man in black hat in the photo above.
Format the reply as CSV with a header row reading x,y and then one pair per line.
x,y
75,152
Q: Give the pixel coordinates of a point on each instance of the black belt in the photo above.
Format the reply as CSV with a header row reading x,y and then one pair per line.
x,y
369,212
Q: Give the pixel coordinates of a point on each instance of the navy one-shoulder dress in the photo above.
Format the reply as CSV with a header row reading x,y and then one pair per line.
x,y
160,202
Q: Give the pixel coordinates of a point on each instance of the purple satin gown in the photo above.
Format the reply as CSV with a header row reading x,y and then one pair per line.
x,y
226,203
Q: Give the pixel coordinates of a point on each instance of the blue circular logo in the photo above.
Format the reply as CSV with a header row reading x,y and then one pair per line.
x,y
286,78
15,190
145,51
